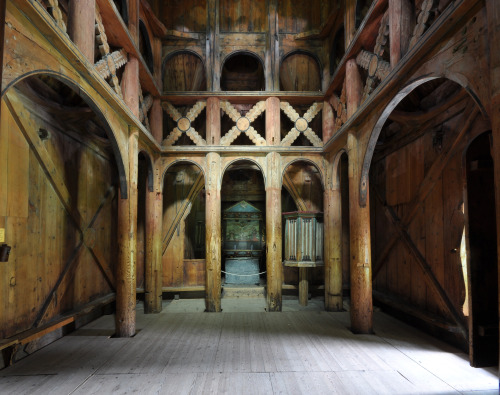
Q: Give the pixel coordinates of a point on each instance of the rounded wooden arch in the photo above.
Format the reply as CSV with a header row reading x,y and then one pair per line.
x,y
143,30
233,161
122,174
334,181
365,170
149,161
308,161
173,54
307,53
178,161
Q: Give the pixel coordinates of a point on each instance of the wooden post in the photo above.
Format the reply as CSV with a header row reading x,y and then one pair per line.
x,y
274,264
361,278
303,286
213,121
153,267
156,120
272,50
273,133
133,20
333,250
213,66
130,85
127,244
213,239
81,26
350,21
328,121
354,87
401,21
493,15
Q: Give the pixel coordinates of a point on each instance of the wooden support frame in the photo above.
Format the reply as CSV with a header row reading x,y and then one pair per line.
x,y
429,276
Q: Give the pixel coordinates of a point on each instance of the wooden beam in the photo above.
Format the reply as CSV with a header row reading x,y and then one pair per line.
x,y
427,185
429,276
273,121
213,121
197,186
401,22
354,86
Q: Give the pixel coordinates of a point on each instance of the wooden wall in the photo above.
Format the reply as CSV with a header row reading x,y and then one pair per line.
x,y
436,230
50,271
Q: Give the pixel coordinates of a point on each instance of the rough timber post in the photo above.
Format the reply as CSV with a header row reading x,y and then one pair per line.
x,y
332,246
274,266
213,233
361,276
130,85
350,21
81,26
400,28
213,121
156,120
354,86
153,267
127,243
493,15
273,136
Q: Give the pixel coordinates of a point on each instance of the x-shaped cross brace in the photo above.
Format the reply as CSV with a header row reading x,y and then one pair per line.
x,y
184,123
301,124
243,123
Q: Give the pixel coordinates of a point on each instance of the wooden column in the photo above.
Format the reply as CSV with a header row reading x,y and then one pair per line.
x,y
354,87
303,286
133,20
273,126
401,22
333,249
328,121
213,233
274,265
81,26
156,120
127,244
213,121
213,66
272,50
130,85
349,21
493,15
361,276
153,267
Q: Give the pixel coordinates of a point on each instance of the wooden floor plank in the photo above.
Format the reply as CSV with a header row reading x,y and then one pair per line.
x,y
306,351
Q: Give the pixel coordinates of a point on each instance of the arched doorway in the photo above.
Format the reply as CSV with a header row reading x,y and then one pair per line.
x,y
300,71
243,208
242,71
59,185
183,235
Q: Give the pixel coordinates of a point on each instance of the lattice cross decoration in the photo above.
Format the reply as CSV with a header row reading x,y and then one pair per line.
x,y
339,106
145,104
110,62
184,123
301,124
372,62
423,18
243,123
55,11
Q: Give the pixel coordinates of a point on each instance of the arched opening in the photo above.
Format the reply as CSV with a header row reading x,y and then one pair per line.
x,y
302,237
242,71
482,260
416,202
184,72
337,50
58,202
243,208
145,46
183,236
300,71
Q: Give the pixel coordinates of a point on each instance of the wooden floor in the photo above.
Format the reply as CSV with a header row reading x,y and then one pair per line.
x,y
245,350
